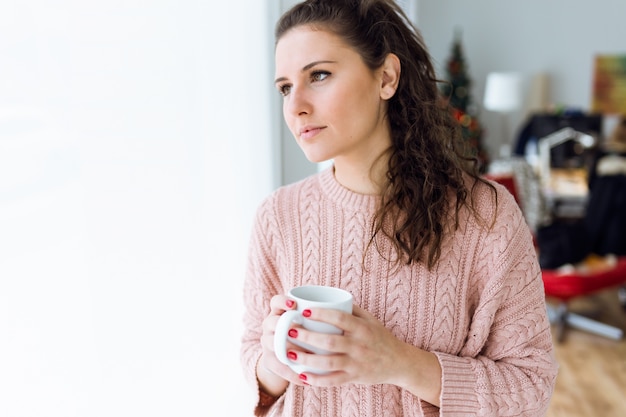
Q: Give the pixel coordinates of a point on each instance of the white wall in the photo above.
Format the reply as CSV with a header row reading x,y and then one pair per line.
x,y
135,144
558,37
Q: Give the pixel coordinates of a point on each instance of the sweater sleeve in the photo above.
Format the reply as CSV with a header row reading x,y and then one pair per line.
x,y
261,283
507,366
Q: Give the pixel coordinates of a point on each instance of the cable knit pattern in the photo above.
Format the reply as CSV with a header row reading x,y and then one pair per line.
x,y
480,310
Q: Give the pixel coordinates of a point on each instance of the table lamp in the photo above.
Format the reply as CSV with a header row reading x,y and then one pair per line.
x,y
503,94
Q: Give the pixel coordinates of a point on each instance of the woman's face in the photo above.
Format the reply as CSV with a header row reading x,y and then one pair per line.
x,y
331,100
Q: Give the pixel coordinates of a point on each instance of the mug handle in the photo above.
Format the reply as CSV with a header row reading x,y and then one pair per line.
x,y
280,334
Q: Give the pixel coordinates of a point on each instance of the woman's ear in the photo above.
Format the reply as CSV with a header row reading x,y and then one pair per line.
x,y
390,76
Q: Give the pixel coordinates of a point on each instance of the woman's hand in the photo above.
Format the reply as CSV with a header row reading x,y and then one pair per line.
x,y
367,353
273,375
364,354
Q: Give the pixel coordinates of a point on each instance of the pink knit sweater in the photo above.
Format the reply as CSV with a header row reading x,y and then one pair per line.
x,y
480,310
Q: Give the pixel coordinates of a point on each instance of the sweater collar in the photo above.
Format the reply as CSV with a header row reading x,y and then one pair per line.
x,y
342,195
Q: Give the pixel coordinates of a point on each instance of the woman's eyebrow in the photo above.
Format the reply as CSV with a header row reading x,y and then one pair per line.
x,y
305,68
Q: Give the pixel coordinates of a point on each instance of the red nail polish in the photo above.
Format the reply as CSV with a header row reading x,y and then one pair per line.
x,y
293,333
292,355
289,303
306,313
302,377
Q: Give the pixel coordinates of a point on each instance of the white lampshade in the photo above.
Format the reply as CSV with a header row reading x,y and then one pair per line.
x,y
503,91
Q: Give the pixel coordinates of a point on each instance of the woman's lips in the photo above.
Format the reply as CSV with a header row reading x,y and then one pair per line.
x,y
309,132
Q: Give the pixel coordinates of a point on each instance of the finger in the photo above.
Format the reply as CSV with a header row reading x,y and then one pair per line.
x,y
269,323
284,370
271,363
267,341
331,379
330,363
281,303
335,343
340,319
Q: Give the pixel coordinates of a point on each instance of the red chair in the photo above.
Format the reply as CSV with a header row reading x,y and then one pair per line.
x,y
565,286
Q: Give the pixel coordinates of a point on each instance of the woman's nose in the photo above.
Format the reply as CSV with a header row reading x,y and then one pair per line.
x,y
298,102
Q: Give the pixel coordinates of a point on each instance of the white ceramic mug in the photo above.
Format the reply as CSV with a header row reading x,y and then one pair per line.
x,y
309,296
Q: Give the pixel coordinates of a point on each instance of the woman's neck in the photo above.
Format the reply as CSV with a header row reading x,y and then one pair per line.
x,y
367,177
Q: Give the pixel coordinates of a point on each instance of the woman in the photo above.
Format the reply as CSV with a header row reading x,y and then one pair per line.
x,y
449,315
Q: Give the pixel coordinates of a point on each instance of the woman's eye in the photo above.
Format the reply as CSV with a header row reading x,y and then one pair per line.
x,y
319,75
316,76
284,89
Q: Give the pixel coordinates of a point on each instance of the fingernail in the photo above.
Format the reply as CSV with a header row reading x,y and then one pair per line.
x,y
292,355
302,377
293,333
306,313
289,303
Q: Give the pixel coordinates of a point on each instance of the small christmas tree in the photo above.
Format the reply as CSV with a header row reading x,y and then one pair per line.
x,y
457,92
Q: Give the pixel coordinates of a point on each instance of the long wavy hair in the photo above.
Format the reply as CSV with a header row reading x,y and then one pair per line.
x,y
428,165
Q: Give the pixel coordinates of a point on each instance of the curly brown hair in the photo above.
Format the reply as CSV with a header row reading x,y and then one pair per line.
x,y
428,163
